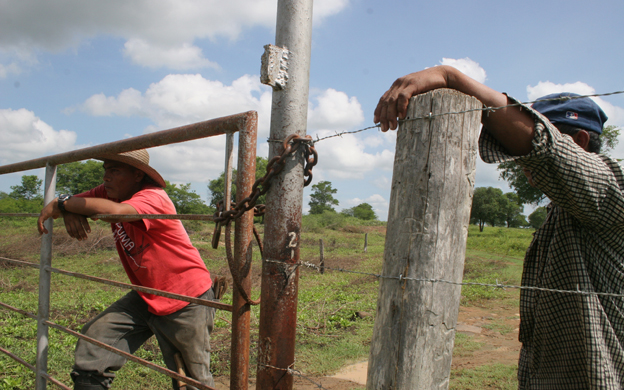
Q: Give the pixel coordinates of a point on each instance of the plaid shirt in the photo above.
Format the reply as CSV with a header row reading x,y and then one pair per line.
x,y
571,341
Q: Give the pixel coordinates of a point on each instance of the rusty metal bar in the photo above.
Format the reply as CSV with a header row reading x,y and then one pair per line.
x,y
204,302
15,309
130,356
246,176
32,368
44,284
218,126
20,262
227,172
278,313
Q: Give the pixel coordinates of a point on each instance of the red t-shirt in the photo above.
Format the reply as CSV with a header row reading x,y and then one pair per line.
x,y
157,253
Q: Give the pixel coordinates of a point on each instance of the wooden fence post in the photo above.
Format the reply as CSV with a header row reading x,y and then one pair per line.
x,y
365,242
322,255
432,184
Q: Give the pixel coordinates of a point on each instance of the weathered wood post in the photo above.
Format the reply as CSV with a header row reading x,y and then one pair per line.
x,y
365,242
432,184
322,256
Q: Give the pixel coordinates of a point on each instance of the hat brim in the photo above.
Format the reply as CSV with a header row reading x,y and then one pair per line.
x,y
149,171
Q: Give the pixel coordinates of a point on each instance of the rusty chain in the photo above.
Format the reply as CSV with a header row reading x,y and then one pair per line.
x,y
262,185
224,218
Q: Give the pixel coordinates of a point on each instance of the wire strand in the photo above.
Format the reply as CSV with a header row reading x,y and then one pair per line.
x,y
488,109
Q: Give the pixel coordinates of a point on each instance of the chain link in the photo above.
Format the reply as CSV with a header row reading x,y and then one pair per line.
x,y
291,144
260,187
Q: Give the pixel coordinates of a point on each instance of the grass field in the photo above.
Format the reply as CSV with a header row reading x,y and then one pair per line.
x,y
336,311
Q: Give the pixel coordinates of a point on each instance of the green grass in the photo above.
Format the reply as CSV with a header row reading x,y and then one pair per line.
x,y
336,311
495,376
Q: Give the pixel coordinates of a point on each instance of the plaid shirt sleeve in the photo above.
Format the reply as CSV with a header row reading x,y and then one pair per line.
x,y
587,185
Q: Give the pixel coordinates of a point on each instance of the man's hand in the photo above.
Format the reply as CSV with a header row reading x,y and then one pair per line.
x,y
512,127
51,210
394,102
76,225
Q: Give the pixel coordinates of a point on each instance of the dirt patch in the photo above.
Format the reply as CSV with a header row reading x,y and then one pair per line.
x,y
223,383
499,336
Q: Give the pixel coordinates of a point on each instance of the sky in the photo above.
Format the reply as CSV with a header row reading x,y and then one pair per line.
x,y
77,73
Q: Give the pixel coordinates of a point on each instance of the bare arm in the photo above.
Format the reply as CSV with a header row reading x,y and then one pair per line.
x,y
512,127
80,207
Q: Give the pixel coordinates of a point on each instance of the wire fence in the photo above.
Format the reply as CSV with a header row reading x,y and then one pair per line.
x,y
401,278
308,265
483,109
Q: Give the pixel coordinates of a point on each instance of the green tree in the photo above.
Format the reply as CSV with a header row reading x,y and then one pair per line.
x,y
362,211
511,209
322,198
79,176
486,207
537,217
217,186
512,172
186,201
29,189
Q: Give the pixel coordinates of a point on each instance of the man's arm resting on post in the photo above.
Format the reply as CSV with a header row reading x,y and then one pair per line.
x,y
77,208
511,126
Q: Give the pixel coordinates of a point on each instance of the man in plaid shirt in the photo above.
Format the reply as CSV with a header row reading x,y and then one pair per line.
x,y
569,340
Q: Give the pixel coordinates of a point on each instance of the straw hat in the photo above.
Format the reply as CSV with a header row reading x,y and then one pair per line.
x,y
138,159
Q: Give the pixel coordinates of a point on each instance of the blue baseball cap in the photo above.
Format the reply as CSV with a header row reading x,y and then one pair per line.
x,y
569,108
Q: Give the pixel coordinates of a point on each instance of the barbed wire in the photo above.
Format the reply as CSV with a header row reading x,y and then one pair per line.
x,y
294,372
487,109
309,265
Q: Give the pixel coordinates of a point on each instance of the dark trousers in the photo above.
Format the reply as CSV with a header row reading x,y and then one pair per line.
x,y
127,324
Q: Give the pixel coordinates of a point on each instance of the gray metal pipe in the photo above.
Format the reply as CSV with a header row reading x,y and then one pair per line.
x,y
44,284
278,312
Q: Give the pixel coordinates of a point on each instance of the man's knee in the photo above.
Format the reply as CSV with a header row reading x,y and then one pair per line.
x,y
85,380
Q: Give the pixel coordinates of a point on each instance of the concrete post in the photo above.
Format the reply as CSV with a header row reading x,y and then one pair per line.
x,y
286,67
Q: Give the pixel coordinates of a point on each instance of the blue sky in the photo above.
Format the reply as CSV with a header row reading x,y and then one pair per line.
x,y
76,73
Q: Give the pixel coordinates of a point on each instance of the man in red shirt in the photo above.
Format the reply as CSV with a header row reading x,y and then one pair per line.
x,y
155,253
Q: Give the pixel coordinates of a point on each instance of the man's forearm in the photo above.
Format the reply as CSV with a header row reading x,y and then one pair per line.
x,y
93,206
511,126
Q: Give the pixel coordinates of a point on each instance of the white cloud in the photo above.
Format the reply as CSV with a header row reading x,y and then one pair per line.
x,y
24,136
382,182
346,157
179,57
379,203
158,33
180,99
546,87
468,67
335,110
13,68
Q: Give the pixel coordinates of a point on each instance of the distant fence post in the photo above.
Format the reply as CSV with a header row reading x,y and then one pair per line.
x,y
322,256
44,284
432,184
365,242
